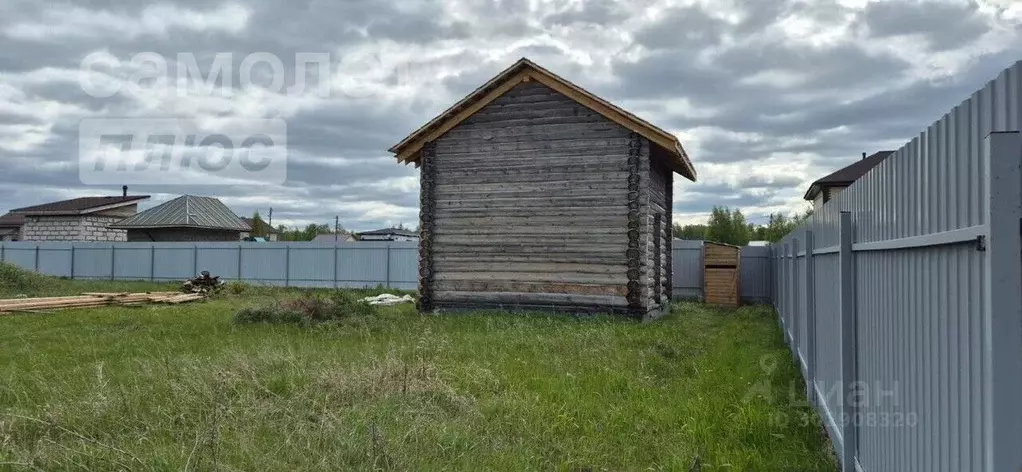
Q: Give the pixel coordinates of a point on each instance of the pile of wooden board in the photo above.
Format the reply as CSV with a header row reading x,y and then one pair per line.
x,y
86,300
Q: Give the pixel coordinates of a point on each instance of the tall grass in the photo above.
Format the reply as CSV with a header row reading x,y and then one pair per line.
x,y
182,388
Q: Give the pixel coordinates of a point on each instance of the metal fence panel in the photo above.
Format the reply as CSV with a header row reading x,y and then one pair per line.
x,y
133,261
353,265
688,270
755,274
935,347
91,260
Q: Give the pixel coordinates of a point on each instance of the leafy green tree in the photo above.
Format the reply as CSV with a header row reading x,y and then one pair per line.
x,y
259,227
727,226
696,231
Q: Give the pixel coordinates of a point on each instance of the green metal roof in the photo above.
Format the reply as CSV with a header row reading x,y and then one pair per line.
x,y
186,211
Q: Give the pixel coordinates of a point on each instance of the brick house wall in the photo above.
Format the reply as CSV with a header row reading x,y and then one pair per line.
x,y
182,234
72,228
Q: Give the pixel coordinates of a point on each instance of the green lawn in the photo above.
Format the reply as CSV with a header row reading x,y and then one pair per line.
x,y
181,388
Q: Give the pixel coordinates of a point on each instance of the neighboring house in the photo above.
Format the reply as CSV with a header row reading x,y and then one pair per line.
x,y
78,219
389,234
271,233
826,188
536,194
185,218
331,238
10,226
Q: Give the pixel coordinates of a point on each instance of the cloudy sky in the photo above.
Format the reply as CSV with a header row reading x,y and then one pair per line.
x,y
766,95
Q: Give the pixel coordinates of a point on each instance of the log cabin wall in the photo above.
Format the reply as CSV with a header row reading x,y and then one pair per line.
x,y
529,208
659,225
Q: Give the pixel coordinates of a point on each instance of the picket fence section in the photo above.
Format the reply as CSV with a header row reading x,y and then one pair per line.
x,y
901,299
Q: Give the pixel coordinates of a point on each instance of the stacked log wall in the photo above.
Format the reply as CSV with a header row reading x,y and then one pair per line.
x,y
530,201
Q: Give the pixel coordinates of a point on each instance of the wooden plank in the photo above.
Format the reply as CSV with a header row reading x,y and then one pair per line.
x,y
580,243
529,247
530,257
519,212
455,220
412,152
530,298
510,233
531,287
548,277
515,185
446,265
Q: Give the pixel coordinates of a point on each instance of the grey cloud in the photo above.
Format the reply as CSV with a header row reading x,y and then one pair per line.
x,y
945,25
682,27
813,118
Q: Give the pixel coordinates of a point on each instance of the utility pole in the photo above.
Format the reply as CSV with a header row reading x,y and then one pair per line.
x,y
337,227
271,217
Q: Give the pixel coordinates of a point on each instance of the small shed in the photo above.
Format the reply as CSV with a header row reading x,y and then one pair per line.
x,y
720,273
537,194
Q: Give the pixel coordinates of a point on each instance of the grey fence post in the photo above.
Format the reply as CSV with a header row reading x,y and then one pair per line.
x,y
795,298
113,261
72,261
3,257
787,293
849,343
388,265
336,264
152,263
1002,330
287,265
810,318
37,258
195,260
240,246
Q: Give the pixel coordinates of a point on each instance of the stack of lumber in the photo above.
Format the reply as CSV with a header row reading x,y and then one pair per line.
x,y
86,300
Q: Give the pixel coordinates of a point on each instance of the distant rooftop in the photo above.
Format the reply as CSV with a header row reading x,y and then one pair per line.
x,y
847,175
12,220
79,206
390,232
250,221
186,211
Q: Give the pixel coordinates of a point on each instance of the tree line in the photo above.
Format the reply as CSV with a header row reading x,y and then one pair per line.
x,y
730,226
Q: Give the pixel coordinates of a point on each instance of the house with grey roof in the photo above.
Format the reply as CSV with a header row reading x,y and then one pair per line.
x,y
271,233
826,188
77,219
333,238
185,218
389,234
10,226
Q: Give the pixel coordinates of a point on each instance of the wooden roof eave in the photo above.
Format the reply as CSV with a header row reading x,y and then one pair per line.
x,y
407,151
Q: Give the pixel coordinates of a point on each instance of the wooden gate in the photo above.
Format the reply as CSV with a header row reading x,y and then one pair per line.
x,y
720,274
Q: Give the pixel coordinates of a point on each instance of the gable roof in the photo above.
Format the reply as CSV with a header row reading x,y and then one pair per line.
x,y
12,220
331,237
847,175
390,231
80,206
186,211
525,70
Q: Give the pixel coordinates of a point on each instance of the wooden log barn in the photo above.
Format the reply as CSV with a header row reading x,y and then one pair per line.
x,y
538,195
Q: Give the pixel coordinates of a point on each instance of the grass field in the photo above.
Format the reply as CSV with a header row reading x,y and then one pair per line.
x,y
182,388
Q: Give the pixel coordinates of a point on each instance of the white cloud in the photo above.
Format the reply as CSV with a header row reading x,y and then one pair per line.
x,y
60,23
